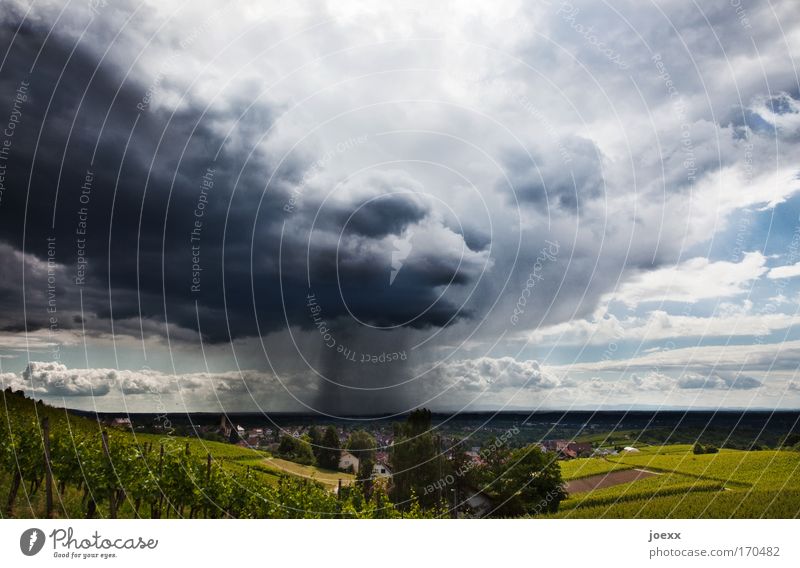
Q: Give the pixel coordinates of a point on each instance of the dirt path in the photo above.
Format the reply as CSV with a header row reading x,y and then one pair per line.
x,y
607,480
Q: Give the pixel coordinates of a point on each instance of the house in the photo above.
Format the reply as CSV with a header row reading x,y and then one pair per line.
x,y
474,457
121,422
348,462
555,445
380,469
480,504
580,449
567,449
630,449
568,453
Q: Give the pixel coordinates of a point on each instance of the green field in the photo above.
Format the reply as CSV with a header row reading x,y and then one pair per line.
x,y
277,466
729,484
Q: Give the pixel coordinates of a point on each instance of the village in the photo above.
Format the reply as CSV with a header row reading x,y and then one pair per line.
x,y
268,437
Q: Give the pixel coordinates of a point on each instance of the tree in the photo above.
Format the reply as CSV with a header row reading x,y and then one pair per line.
x,y
525,481
331,451
791,440
700,449
296,449
362,445
315,437
463,469
416,461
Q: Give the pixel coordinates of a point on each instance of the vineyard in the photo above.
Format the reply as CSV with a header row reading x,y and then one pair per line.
x,y
114,474
55,464
577,469
728,484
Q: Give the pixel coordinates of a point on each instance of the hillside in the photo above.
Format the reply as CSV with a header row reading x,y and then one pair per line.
x,y
680,484
131,475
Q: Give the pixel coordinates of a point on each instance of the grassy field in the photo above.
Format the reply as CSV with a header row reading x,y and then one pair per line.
x,y
278,466
731,483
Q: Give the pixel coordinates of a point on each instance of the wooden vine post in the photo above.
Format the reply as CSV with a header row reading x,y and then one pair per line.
x,y
48,469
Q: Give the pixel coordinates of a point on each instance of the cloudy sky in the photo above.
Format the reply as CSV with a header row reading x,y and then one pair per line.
x,y
347,208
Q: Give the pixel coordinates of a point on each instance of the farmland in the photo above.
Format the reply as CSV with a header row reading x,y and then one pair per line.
x,y
728,484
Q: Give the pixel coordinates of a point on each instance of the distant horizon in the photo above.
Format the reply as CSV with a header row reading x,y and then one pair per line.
x,y
520,411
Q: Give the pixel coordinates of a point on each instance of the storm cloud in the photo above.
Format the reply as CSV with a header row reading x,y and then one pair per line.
x,y
187,190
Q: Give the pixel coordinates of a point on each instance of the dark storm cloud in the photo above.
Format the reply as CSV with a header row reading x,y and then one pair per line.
x,y
131,183
386,206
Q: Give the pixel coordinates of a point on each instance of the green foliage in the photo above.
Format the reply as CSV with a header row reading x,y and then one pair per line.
x,y
330,451
525,481
792,440
296,449
416,461
315,439
362,445
698,449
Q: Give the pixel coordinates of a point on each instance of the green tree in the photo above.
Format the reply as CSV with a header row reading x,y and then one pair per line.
x,y
315,438
331,450
416,461
525,481
362,445
296,449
